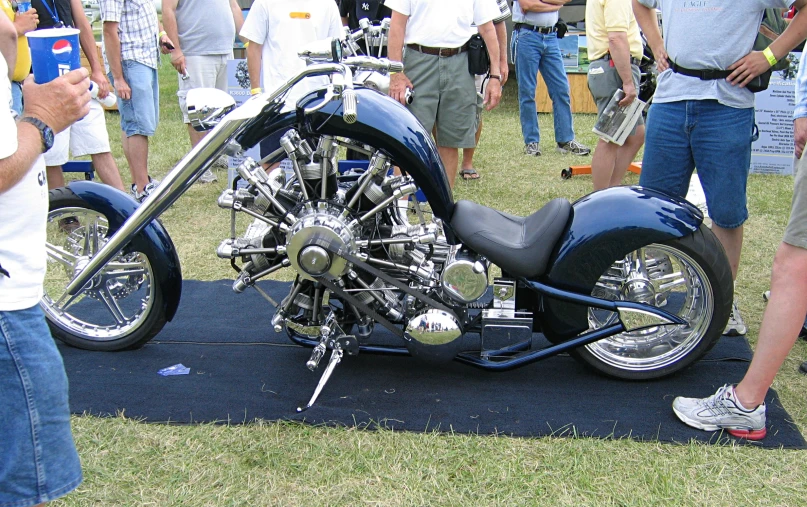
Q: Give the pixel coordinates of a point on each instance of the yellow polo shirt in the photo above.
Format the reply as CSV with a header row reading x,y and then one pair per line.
x,y
603,16
23,67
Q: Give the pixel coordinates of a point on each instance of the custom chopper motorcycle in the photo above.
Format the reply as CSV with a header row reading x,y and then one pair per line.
x,y
626,280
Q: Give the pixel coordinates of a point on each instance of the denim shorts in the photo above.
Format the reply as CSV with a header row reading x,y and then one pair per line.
x,y
39,459
706,135
140,114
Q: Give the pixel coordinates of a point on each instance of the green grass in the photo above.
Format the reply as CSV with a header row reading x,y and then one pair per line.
x,y
131,463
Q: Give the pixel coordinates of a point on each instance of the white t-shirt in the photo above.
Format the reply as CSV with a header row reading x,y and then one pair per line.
x,y
23,213
285,27
443,23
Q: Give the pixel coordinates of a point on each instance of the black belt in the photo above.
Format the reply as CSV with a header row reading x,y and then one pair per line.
x,y
633,61
703,74
533,28
442,52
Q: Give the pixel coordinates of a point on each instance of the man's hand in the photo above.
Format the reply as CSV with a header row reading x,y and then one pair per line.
x,y
662,59
122,88
26,21
630,94
747,68
178,61
493,94
504,69
100,79
166,45
800,135
59,103
398,83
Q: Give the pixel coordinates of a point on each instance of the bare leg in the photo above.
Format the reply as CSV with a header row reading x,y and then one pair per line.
x,y
55,176
732,241
450,158
136,149
610,161
468,153
107,169
195,135
781,323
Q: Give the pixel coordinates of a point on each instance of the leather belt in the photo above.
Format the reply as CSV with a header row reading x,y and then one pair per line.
x,y
633,61
441,52
533,28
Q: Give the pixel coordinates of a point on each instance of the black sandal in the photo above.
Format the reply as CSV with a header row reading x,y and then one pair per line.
x,y
469,174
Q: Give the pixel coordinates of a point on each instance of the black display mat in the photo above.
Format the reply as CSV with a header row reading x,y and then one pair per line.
x,y
241,371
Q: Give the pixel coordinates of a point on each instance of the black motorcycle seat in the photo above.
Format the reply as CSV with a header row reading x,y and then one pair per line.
x,y
519,245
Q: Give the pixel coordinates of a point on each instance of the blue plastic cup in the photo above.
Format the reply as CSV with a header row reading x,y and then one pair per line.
x,y
54,53
23,6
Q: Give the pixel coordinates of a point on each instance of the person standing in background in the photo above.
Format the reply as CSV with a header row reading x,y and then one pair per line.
x,y
24,22
133,42
203,43
277,30
535,48
89,135
467,170
615,51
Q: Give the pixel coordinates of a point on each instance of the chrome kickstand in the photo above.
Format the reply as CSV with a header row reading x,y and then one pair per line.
x,y
336,357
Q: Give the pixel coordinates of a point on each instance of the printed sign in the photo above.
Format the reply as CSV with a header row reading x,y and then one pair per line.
x,y
772,153
238,88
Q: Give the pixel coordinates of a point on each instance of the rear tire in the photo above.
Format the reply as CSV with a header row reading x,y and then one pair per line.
x,y
123,306
691,278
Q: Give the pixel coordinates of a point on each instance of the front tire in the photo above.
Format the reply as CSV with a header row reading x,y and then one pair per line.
x,y
121,308
689,277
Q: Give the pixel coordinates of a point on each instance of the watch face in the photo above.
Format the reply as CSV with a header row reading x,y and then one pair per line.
x,y
47,138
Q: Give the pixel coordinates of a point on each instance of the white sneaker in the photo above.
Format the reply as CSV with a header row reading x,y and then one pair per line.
x,y
722,411
736,325
147,190
208,177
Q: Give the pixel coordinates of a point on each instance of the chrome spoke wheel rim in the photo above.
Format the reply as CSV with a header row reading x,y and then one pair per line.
x,y
661,276
115,302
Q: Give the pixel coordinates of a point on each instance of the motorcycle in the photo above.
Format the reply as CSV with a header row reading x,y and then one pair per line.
x,y
627,280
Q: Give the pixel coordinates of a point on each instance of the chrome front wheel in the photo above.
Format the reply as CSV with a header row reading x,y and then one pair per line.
x,y
121,307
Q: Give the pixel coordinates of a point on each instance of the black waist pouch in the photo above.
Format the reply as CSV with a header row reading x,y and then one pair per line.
x,y
760,82
478,61
756,85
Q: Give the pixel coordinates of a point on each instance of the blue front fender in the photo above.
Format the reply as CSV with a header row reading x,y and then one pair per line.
x,y
153,240
606,226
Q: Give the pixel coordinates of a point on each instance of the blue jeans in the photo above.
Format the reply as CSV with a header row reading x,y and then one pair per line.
x,y
16,97
533,52
140,114
39,459
705,134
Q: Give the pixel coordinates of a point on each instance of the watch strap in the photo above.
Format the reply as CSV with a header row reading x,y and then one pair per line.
x,y
47,141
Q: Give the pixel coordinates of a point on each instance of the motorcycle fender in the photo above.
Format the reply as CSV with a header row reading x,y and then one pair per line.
x,y
606,226
153,240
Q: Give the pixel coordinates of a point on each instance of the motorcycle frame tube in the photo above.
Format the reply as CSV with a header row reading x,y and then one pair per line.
x,y
153,240
606,226
185,173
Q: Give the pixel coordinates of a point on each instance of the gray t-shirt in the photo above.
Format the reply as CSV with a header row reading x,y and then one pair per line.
x,y
708,34
534,18
206,27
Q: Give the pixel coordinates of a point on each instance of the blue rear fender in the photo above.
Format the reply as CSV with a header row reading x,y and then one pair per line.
x,y
153,240
605,226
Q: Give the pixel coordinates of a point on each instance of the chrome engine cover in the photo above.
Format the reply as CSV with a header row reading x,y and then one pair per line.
x,y
314,231
434,336
465,276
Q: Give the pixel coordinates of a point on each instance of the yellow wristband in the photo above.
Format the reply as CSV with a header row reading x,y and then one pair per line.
x,y
246,44
769,55
255,91
162,34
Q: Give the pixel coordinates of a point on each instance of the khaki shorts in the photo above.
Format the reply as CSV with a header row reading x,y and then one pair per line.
x,y
445,96
88,136
796,231
206,71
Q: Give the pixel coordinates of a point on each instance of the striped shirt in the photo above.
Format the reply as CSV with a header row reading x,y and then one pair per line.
x,y
801,93
504,9
137,29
